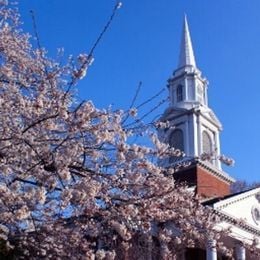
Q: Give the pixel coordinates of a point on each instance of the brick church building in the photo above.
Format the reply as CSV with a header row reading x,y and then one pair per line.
x,y
196,131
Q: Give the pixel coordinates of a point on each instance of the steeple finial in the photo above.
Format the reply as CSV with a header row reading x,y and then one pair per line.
x,y
186,53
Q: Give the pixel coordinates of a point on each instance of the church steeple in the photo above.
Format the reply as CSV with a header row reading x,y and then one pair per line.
x,y
187,57
194,127
198,126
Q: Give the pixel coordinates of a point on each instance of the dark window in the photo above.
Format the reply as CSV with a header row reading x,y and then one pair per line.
x,y
195,253
200,254
179,93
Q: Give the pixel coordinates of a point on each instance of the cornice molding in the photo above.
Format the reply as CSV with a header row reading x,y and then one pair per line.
x,y
214,171
209,167
238,223
236,198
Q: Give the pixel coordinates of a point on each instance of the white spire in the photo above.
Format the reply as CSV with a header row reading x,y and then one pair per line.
x,y
186,54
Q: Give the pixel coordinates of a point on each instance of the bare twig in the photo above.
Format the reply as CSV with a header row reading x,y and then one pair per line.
x,y
116,7
133,101
152,98
35,29
147,114
136,94
90,54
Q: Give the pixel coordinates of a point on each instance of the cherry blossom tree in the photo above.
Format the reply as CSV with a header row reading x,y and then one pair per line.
x,y
72,185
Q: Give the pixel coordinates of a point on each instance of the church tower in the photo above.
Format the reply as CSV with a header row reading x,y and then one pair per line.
x,y
195,127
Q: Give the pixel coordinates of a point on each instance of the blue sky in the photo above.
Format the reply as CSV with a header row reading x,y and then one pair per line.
x,y
143,45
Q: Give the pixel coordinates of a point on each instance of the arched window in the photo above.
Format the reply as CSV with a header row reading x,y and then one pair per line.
x,y
207,143
176,141
179,93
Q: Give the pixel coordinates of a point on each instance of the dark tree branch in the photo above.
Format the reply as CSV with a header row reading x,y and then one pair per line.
x,y
38,122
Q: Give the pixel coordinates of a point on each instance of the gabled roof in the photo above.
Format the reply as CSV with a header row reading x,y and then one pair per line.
x,y
221,202
213,116
218,199
240,211
209,114
172,112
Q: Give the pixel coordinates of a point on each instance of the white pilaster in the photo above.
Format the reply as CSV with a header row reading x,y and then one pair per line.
x,y
218,150
164,250
194,133
199,140
186,89
206,96
149,247
211,250
240,252
187,137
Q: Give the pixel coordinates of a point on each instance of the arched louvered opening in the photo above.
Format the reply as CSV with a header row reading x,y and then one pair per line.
x,y
207,143
177,142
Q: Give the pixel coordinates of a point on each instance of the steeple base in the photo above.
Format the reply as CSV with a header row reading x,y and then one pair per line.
x,y
207,181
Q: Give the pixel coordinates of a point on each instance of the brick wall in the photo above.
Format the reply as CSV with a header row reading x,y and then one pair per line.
x,y
210,186
207,185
